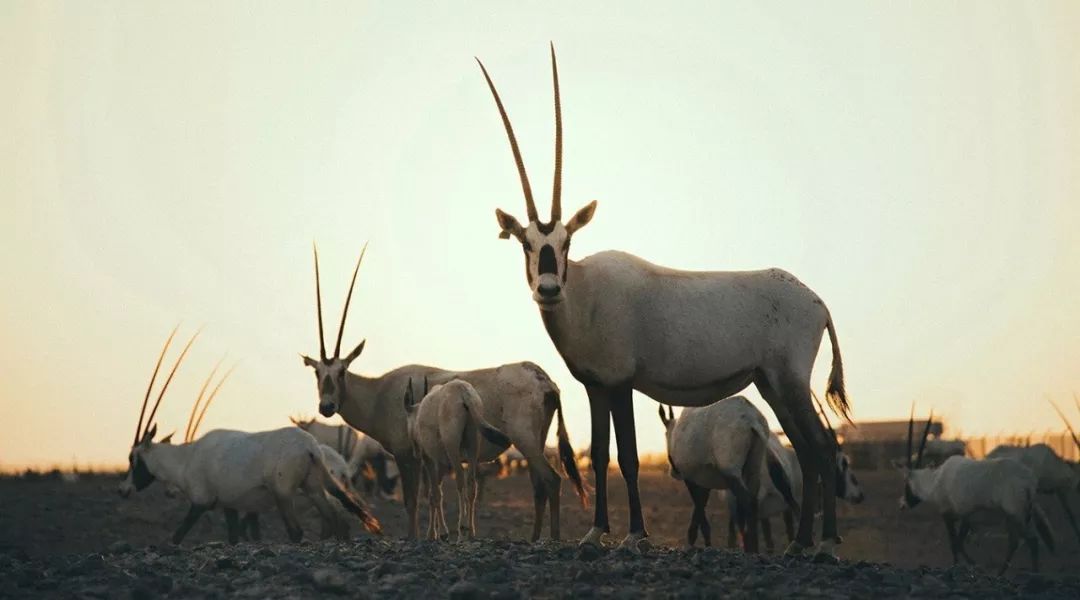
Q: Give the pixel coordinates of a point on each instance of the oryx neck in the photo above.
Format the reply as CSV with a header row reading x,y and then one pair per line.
x,y
361,408
167,462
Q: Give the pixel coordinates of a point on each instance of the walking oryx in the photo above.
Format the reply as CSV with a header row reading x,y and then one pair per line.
x,y
234,470
519,399
775,501
1056,475
446,425
682,338
722,447
962,489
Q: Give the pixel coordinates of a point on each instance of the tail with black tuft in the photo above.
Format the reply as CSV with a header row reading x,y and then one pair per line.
x,y
779,477
476,410
835,393
348,499
566,451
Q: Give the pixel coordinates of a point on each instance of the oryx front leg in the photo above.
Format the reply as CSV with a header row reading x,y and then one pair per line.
x,y
193,514
622,416
600,413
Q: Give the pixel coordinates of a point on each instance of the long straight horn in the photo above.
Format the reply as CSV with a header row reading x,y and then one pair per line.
x,y
530,206
149,388
188,433
922,443
1076,440
209,399
318,304
556,188
168,380
348,299
910,435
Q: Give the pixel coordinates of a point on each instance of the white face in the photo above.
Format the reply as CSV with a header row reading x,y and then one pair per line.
x,y
330,379
546,247
846,482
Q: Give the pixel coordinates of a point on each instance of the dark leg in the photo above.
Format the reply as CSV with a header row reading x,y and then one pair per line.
x,y
766,532
539,502
193,514
789,525
731,525
288,516
600,413
232,524
748,519
961,538
1063,497
1014,542
410,489
622,416
950,528
251,525
699,520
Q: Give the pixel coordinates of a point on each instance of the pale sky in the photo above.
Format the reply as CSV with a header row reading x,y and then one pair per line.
x,y
916,164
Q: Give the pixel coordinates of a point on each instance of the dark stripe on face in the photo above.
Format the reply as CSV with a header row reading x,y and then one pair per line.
x,y
910,498
547,263
141,475
328,385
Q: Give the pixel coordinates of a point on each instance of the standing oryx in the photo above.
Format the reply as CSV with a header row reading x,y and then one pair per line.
x,y
519,399
963,488
234,470
446,425
367,459
1056,475
683,338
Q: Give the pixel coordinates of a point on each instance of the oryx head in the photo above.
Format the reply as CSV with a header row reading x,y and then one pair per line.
x,y
913,471
138,474
668,419
330,371
847,485
546,245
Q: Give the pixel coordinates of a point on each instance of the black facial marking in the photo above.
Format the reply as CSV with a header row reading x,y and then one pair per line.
x,y
328,385
546,228
141,475
528,272
547,263
909,497
841,478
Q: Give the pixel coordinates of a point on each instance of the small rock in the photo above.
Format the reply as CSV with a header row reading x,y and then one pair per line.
x,y
120,547
464,590
588,552
328,580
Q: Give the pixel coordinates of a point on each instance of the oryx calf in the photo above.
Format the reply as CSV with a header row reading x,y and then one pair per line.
x,y
445,426
236,471
962,489
720,447
368,462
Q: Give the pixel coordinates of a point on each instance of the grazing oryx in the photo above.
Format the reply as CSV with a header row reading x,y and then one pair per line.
x,y
445,426
683,338
721,447
519,399
1056,475
773,501
962,489
235,470
367,459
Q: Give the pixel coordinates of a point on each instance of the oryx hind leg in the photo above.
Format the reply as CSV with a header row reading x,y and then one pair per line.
x,y
699,520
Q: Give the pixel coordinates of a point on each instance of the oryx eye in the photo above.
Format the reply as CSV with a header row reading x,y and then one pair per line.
x,y
527,246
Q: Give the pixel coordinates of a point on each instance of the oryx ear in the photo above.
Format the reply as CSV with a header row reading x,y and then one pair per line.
x,y
426,388
356,352
167,439
308,361
509,226
149,437
409,397
581,218
663,415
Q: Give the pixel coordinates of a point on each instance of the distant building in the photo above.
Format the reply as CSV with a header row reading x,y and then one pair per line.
x,y
886,431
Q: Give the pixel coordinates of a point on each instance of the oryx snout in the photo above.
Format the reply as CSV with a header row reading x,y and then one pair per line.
x,y
124,489
327,408
548,290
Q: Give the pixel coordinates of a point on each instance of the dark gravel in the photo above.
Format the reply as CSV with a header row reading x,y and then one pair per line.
x,y
380,568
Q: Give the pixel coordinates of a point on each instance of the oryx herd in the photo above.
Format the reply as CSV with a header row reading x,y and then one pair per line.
x,y
620,324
